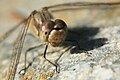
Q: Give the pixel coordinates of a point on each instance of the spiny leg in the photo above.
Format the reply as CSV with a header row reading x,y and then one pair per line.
x,y
56,61
29,64
47,14
44,55
28,50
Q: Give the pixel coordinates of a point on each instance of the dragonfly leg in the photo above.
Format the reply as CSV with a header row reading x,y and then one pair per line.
x,y
54,64
47,14
25,65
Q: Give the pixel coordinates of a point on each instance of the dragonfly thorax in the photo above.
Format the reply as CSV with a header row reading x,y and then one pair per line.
x,y
54,32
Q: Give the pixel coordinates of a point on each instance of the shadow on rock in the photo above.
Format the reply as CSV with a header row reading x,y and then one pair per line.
x,y
84,36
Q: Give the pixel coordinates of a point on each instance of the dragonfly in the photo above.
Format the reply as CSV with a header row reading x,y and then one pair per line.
x,y
51,31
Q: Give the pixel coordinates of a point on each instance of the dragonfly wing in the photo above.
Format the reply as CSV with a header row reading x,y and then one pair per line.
x,y
83,4
17,49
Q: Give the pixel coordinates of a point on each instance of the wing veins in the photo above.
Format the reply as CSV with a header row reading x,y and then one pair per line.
x,y
17,50
83,4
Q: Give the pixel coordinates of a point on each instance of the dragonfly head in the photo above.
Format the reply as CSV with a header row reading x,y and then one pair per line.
x,y
54,32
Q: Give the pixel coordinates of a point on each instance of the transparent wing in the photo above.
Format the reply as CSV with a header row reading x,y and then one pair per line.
x,y
17,50
84,4
8,33
73,5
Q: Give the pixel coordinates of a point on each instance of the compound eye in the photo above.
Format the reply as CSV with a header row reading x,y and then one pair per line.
x,y
59,23
47,26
